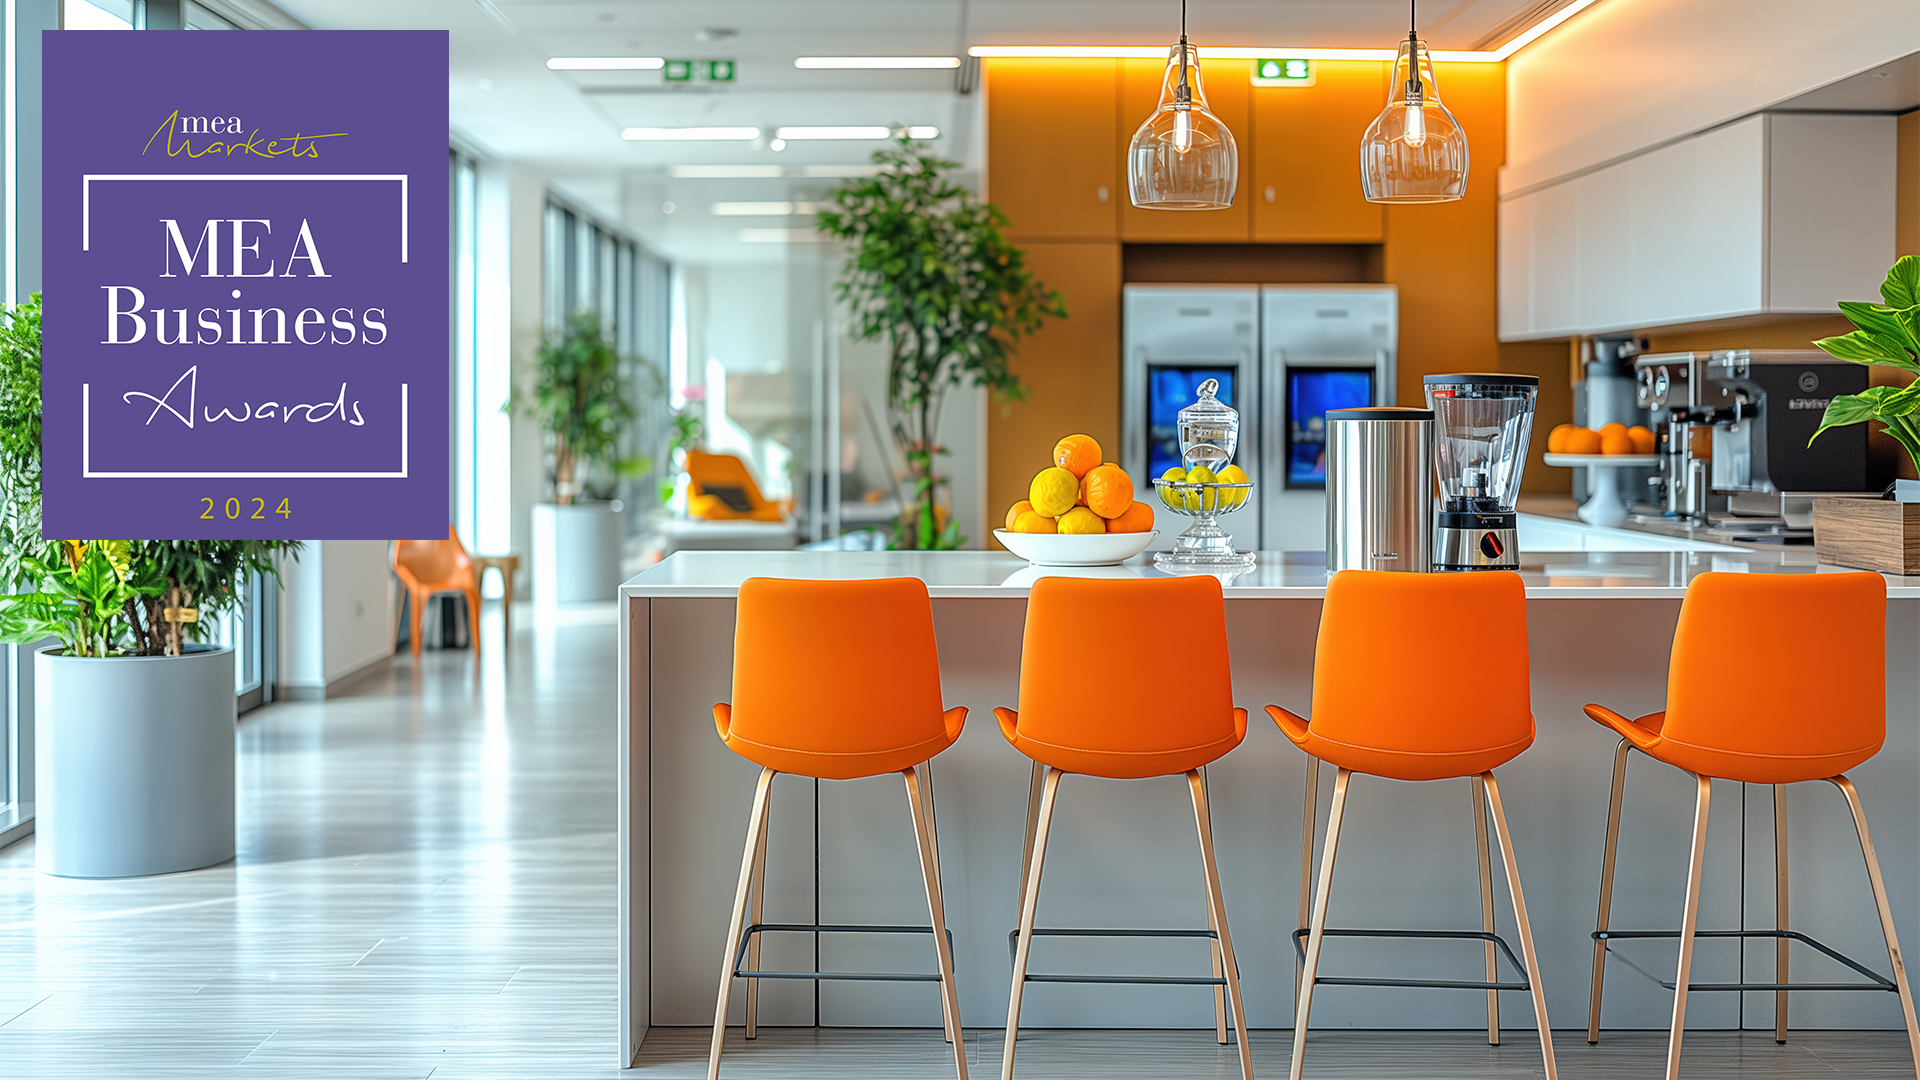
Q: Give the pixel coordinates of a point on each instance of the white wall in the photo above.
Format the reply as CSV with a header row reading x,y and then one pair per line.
x,y
336,614
1625,75
523,192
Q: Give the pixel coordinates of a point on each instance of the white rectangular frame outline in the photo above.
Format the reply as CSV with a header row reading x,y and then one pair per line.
x,y
86,192
86,456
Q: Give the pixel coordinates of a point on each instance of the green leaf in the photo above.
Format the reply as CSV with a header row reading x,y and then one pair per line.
x,y
1884,403
1864,348
1889,330
1902,287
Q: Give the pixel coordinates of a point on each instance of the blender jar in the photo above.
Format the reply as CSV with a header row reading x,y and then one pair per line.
x,y
1482,423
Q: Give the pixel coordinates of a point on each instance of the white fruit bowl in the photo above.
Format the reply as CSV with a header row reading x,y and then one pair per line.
x,y
1084,549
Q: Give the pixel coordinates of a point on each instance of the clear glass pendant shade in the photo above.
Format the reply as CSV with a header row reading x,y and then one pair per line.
x,y
1183,157
1414,151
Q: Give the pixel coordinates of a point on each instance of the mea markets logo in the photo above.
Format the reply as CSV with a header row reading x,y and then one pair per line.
x,y
180,129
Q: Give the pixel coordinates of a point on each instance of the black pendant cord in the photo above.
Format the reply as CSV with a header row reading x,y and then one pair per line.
x,y
1415,93
1183,94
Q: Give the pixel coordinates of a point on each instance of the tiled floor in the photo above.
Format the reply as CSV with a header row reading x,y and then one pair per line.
x,y
426,889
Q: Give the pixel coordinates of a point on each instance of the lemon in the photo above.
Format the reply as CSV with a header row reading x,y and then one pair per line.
x,y
1170,497
1233,474
1053,491
1082,520
1201,500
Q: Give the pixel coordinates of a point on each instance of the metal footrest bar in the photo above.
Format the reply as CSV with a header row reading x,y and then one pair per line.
x,y
1299,950
746,937
1013,943
1878,982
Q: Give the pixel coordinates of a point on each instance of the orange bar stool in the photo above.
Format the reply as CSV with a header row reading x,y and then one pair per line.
x,y
1824,712
835,680
1377,666
1159,727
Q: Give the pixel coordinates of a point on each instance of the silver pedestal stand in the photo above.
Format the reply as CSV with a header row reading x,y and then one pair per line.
x,y
1204,546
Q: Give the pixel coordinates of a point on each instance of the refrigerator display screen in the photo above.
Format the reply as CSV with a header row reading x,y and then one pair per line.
x,y
1169,389
1310,393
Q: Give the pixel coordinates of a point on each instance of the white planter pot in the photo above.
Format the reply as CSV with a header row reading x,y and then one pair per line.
x,y
133,763
576,552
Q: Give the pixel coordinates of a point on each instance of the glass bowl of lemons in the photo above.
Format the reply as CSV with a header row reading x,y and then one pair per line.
x,y
1199,492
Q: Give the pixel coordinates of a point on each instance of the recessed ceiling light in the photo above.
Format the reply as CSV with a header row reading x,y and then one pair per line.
x,y
765,209
842,132
725,172
923,131
605,63
841,172
690,134
779,236
876,62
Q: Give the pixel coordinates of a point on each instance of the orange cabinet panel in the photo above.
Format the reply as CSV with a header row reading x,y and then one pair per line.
x,y
1306,156
1071,369
1227,84
1050,147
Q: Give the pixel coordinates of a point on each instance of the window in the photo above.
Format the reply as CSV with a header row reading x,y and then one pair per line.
x,y
589,267
103,14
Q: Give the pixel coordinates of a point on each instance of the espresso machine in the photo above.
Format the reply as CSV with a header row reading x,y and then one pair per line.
x,y
1482,422
1733,430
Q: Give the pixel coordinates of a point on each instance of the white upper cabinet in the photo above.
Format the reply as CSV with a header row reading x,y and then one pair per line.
x,y
1777,213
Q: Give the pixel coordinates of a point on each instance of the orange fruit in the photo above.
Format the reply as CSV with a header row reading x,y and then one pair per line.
x,y
1053,492
1109,491
1582,441
1014,511
1032,522
1557,439
1076,454
1616,442
1081,520
1615,426
1642,439
1135,519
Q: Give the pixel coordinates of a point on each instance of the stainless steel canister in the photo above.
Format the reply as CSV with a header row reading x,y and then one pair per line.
x,y
1380,489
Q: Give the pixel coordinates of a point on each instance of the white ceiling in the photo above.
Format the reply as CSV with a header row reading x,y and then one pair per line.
x,y
509,105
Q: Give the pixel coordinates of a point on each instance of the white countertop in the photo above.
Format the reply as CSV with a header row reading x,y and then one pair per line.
x,y
1289,575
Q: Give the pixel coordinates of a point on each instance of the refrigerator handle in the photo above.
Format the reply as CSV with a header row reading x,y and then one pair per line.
x,y
1389,379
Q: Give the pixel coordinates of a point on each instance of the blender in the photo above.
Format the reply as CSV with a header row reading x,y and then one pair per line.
x,y
1481,423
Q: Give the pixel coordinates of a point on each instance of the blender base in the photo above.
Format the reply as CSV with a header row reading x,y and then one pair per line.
x,y
1476,549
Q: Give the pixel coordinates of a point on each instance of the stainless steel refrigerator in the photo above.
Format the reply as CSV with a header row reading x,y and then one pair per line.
x,y
1284,355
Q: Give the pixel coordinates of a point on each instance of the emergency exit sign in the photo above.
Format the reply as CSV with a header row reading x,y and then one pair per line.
x,y
697,70
1283,71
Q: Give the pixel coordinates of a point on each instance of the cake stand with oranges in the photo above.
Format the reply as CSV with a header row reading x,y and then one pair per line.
x,y
1614,446
1205,545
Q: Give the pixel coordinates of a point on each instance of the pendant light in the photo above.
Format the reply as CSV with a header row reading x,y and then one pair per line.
x,y
1414,151
1183,157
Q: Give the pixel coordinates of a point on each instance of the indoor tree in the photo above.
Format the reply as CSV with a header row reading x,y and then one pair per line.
x,y
929,272
19,440
585,398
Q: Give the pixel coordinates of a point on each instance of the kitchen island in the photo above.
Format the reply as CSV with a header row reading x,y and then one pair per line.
x,y
1123,853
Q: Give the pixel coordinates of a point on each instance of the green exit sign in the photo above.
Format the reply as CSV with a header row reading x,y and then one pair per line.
x,y
697,70
1282,71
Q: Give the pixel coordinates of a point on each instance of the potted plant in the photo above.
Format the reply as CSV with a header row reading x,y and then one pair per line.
x,y
1878,534
929,272
133,712
585,400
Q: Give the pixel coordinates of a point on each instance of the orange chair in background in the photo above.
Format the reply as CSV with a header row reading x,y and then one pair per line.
x,y
834,680
721,488
1820,639
1156,726
429,567
1380,665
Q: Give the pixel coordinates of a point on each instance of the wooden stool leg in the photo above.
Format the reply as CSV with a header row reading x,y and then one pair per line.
x,y
415,601
1606,891
1029,904
1034,787
1478,787
1217,916
506,603
936,908
1520,921
1307,816
756,826
1886,914
1780,909
1703,800
756,898
473,617
1317,923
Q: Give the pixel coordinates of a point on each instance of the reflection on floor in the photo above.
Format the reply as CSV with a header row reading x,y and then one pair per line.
x,y
425,889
